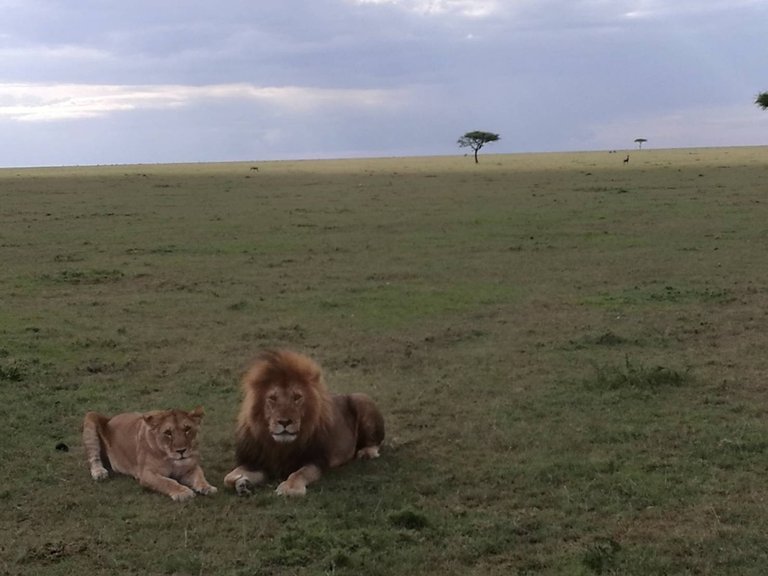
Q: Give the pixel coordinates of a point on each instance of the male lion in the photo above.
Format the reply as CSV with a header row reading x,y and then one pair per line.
x,y
158,448
290,427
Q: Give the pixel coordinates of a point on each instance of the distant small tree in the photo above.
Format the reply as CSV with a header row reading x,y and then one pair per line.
x,y
476,140
640,142
762,100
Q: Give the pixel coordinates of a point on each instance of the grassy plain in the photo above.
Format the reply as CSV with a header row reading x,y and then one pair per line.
x,y
570,353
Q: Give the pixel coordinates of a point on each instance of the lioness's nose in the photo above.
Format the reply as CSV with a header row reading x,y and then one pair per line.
x,y
181,451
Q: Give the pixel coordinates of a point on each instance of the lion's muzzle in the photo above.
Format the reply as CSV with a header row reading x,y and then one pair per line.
x,y
284,431
284,437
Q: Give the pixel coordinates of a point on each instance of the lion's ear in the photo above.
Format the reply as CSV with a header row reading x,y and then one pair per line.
x,y
316,377
197,414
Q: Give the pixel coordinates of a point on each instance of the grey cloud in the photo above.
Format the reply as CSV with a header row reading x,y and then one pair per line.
x,y
552,74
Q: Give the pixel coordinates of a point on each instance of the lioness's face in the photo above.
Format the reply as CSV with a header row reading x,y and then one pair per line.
x,y
284,409
175,432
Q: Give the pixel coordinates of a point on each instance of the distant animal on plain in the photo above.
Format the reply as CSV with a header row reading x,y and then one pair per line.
x,y
291,428
626,160
254,168
157,448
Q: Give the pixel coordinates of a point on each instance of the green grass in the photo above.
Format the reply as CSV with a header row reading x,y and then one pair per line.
x,y
569,354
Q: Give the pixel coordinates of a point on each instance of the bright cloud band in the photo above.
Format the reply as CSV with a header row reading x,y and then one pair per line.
x,y
52,102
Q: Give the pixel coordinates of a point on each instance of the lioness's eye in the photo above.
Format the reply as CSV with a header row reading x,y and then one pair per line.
x,y
168,433
187,430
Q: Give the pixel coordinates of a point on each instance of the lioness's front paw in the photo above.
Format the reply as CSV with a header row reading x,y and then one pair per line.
x,y
243,486
99,473
206,490
288,488
183,495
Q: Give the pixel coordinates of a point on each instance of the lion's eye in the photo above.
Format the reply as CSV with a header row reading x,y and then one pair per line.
x,y
297,397
168,433
187,430
272,398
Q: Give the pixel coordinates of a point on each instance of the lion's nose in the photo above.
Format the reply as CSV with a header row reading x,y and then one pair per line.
x,y
181,451
285,423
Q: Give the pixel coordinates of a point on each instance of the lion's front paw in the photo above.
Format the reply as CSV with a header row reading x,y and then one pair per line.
x,y
243,486
206,490
99,473
183,495
289,488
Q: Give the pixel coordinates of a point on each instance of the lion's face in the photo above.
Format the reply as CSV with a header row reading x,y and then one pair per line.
x,y
284,411
285,402
175,432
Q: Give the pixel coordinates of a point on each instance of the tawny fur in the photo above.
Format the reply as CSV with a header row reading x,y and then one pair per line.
x,y
292,429
158,448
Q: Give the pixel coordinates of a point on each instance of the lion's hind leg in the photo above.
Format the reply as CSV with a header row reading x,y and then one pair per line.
x,y
94,425
368,453
243,480
370,427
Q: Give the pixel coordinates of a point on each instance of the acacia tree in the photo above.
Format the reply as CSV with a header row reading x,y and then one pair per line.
x,y
762,100
640,142
476,140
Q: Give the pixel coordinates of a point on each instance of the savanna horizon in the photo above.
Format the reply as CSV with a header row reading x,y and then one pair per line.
x,y
486,153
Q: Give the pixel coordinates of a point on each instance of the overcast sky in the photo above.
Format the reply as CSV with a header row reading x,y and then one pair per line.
x,y
105,82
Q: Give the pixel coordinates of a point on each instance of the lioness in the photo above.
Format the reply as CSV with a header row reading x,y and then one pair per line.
x,y
158,448
290,427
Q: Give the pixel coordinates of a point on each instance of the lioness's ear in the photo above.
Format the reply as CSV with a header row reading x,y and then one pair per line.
x,y
152,418
197,414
